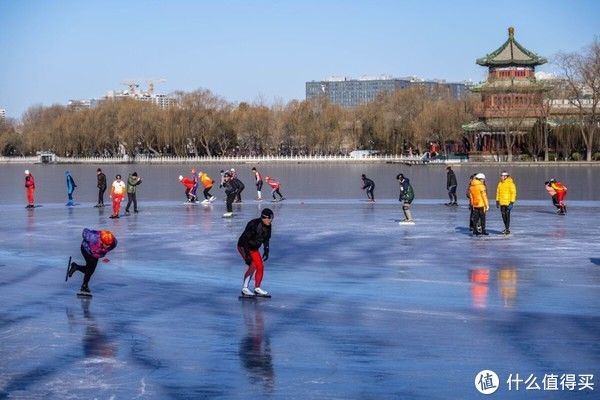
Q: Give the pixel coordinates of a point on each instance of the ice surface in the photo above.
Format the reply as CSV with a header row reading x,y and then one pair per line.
x,y
362,307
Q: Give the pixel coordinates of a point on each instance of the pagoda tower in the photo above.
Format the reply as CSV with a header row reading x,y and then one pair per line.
x,y
511,98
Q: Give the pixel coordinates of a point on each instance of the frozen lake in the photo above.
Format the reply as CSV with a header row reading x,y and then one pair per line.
x,y
362,307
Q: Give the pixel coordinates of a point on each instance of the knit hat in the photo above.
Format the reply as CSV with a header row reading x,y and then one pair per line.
x,y
106,237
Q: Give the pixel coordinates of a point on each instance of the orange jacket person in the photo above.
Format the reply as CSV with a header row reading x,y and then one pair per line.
x,y
29,188
561,193
479,201
207,183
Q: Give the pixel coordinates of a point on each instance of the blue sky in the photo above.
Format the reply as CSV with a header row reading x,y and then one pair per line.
x,y
53,51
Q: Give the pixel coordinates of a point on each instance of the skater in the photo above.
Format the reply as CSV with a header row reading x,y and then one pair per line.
x,y
189,185
369,186
257,233
479,201
94,246
239,187
117,192
207,183
451,186
70,188
194,191
407,195
561,193
231,189
275,185
552,194
506,195
471,178
101,185
132,183
259,183
29,188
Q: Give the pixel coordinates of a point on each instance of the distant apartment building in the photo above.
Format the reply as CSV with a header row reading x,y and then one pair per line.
x,y
348,92
161,100
2,114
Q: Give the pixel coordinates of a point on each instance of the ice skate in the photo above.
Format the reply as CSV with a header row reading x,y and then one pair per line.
x,y
261,293
228,215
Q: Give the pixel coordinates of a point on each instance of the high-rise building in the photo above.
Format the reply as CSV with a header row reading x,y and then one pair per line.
x,y
2,113
161,100
353,92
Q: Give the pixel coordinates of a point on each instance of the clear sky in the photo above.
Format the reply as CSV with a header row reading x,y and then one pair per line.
x,y
53,51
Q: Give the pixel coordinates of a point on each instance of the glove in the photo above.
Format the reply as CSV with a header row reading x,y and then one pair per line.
x,y
248,260
497,204
266,255
510,206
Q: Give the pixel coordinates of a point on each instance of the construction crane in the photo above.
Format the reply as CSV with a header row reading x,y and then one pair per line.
x,y
132,85
152,82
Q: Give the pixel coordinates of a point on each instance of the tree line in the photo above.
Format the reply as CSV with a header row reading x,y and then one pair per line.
x,y
203,123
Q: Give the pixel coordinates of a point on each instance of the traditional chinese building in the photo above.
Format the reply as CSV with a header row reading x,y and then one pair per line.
x,y
511,98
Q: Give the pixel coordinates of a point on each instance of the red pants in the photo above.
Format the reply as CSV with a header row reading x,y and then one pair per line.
x,y
30,192
560,197
256,266
116,203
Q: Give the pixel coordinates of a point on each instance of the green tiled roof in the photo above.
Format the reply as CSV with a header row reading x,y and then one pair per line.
x,y
511,53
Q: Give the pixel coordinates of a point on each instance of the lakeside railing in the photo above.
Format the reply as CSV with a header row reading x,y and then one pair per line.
x,y
229,159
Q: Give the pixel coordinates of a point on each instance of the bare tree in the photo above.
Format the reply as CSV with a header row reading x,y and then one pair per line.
x,y
582,75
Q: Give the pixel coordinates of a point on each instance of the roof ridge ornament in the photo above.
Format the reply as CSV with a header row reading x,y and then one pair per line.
x,y
511,32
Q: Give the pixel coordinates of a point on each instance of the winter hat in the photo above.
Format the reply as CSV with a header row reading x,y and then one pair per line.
x,y
26,172
480,176
180,177
504,173
266,213
134,174
106,237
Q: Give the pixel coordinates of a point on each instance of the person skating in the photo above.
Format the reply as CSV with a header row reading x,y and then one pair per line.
x,y
257,233
275,186
561,193
132,183
240,188
207,183
189,185
451,185
194,178
259,183
407,195
101,185
95,245
231,189
117,192
70,188
479,201
368,186
29,188
506,195
471,178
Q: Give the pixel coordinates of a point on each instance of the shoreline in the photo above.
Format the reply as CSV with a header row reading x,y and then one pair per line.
x,y
412,161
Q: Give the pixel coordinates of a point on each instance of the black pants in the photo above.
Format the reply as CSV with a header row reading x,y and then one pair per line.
x,y
229,201
370,190
207,194
452,194
238,196
259,186
88,269
131,198
478,218
278,192
505,211
101,191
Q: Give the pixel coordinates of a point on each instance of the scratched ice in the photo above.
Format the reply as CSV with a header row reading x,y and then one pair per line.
x,y
362,307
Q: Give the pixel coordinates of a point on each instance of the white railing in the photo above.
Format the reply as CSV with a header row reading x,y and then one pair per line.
x,y
229,159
